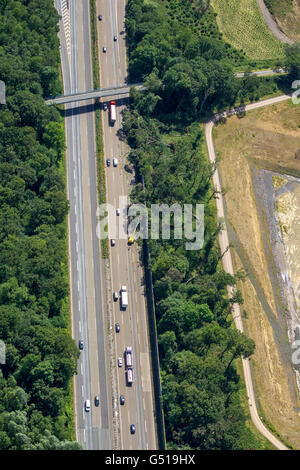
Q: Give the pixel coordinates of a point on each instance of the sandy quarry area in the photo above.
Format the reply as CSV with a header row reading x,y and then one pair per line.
x,y
261,173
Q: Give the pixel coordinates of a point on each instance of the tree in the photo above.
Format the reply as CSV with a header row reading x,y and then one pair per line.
x,y
293,60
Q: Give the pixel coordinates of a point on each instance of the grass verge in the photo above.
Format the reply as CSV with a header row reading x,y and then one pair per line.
x,y
69,425
243,26
98,122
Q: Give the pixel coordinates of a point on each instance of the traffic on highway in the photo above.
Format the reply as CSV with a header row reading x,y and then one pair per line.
x,y
113,390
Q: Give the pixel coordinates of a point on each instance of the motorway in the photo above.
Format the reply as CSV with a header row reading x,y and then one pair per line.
x,y
93,430
228,266
92,281
125,266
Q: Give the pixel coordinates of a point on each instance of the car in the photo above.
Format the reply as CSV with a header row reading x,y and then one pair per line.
x,y
117,326
108,162
115,38
80,344
115,162
87,405
97,400
100,17
122,400
132,428
118,212
104,106
112,242
104,49
120,361
115,296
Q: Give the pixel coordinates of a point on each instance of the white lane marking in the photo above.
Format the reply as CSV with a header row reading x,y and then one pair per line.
x,y
80,326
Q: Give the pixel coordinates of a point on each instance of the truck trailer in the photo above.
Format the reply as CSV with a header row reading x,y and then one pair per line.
x,y
113,112
124,297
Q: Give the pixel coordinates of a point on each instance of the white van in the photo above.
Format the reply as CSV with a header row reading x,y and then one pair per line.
x,y
87,405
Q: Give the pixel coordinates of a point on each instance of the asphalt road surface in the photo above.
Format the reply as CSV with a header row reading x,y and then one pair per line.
x,y
93,429
228,267
125,267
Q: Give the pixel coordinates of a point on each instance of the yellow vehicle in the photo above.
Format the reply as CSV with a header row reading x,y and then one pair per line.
x,y
130,240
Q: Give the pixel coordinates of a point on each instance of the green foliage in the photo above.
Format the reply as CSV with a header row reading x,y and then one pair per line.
x,y
187,75
293,60
41,356
279,6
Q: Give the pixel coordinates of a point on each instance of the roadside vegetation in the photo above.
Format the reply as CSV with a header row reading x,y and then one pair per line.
x,y
188,76
98,122
268,139
287,15
41,357
243,26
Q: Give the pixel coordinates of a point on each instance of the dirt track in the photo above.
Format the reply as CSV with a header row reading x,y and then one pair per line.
x,y
272,25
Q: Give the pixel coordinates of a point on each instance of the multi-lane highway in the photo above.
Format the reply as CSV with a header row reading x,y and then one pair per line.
x,y
125,266
92,282
93,429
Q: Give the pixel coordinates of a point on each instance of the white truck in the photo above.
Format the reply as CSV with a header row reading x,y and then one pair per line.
x,y
130,376
128,356
129,365
124,297
113,112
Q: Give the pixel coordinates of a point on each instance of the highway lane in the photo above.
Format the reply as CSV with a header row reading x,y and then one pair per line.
x,y
228,267
93,429
139,407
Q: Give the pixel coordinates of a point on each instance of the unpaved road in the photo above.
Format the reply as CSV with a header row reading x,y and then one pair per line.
x,y
272,25
228,266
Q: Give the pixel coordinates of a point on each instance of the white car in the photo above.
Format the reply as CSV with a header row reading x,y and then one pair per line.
x,y
104,49
118,212
115,162
120,361
112,242
115,296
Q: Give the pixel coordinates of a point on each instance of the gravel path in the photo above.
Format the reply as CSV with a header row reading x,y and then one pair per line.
x,y
272,25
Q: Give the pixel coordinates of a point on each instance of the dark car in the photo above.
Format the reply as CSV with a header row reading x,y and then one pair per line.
x,y
104,106
117,327
115,38
122,400
108,162
132,428
97,401
80,344
100,17
104,49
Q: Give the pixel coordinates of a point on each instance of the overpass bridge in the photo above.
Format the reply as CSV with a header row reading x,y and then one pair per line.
x,y
125,89
99,93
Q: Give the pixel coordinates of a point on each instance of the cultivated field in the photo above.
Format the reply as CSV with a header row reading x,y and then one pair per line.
x,y
267,138
243,26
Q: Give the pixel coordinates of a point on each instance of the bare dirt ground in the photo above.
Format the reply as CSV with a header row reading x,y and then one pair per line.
x,y
266,139
290,24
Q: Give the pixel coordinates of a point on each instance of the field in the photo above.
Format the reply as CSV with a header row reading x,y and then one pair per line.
x,y
243,26
267,138
287,15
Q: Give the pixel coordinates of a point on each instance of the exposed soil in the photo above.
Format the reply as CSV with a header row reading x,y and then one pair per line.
x,y
266,139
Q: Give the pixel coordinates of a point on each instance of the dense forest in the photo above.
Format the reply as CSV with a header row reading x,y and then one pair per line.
x,y
41,357
189,72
